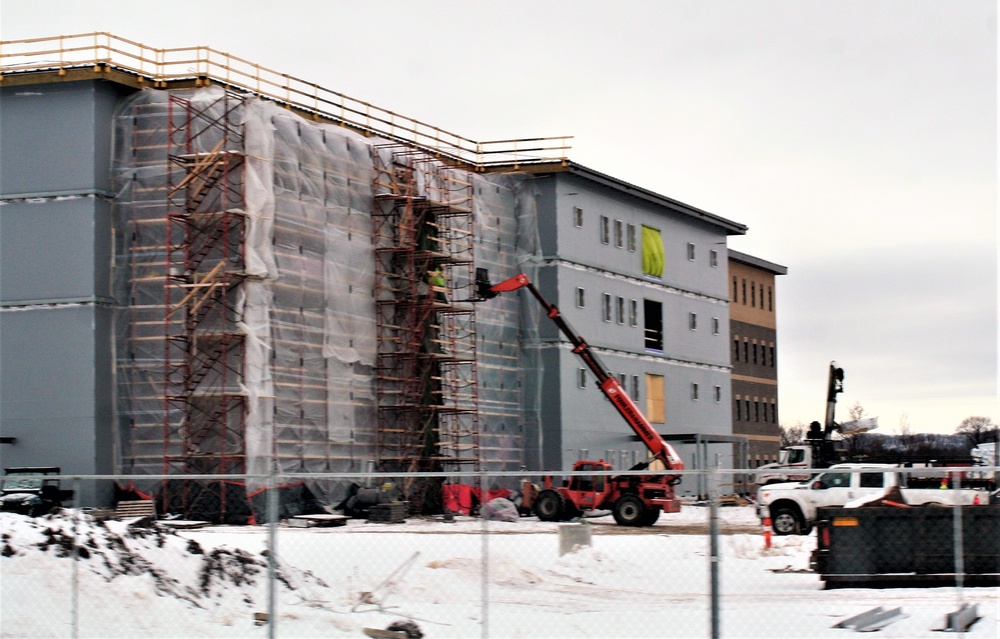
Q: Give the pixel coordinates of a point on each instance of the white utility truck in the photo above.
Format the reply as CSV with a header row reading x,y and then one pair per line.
x,y
791,506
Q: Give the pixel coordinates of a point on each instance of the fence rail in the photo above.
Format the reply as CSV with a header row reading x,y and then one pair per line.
x,y
202,65
474,577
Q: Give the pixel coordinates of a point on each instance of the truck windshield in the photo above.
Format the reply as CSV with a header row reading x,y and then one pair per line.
x,y
796,456
20,482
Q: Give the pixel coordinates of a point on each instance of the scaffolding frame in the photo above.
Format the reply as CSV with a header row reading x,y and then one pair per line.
x,y
204,407
426,366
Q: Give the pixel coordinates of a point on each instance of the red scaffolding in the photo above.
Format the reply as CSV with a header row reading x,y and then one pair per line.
x,y
204,408
426,372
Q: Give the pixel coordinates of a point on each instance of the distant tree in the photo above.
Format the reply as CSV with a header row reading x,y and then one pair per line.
x,y
978,430
856,411
792,435
903,428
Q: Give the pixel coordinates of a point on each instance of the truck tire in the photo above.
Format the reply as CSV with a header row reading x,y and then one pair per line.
x,y
786,521
550,505
629,511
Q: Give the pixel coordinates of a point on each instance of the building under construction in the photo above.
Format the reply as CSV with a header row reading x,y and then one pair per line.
x,y
228,271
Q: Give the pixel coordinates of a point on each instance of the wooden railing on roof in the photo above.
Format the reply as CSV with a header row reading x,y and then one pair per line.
x,y
203,65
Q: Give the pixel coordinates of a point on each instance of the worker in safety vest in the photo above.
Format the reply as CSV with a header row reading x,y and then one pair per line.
x,y
436,280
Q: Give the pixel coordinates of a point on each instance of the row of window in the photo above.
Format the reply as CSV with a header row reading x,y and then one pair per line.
x,y
756,298
745,410
618,309
624,235
753,353
655,405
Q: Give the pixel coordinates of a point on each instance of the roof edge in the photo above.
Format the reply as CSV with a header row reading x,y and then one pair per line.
x,y
757,262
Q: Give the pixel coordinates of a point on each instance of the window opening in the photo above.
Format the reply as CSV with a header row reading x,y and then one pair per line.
x,y
653,329
653,256
655,407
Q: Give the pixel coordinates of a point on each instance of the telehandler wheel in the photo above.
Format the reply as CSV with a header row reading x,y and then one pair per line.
x,y
652,514
629,511
550,505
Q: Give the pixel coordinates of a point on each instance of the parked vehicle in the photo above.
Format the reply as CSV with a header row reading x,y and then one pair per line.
x,y
30,490
791,507
634,500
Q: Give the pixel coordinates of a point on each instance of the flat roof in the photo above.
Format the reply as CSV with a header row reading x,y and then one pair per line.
x,y
575,168
756,262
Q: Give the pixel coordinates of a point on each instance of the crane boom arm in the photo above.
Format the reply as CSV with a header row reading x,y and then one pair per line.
x,y
610,386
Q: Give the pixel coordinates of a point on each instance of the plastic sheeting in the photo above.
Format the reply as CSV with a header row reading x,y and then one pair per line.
x,y
306,308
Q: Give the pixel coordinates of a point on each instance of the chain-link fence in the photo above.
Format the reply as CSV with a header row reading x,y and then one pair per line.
x,y
489,568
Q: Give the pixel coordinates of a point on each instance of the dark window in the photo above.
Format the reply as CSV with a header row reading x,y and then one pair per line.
x,y
713,258
603,229
736,290
739,412
653,317
872,480
736,349
619,234
577,217
772,356
631,237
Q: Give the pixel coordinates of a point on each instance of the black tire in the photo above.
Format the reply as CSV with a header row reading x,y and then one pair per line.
x,y
652,514
787,521
550,505
629,511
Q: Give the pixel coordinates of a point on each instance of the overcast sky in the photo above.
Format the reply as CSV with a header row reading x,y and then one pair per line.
x,y
856,139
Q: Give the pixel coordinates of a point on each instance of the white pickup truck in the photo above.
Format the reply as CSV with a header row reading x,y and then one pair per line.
x,y
791,507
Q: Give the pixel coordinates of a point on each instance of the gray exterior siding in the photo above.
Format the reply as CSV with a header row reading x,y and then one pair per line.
x,y
578,260
56,318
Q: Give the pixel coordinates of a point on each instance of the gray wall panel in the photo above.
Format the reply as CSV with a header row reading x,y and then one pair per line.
x,y
53,398
55,249
62,137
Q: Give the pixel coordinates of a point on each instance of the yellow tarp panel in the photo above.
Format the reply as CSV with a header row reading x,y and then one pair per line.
x,y
653,257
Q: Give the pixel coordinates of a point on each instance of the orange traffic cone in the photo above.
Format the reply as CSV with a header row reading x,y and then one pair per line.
x,y
767,532
975,500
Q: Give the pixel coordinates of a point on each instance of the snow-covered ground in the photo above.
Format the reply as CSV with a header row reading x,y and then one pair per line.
x,y
138,581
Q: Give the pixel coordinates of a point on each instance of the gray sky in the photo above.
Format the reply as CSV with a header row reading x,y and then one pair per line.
x,y
857,139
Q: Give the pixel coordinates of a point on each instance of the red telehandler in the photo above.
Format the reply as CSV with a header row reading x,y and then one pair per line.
x,y
635,500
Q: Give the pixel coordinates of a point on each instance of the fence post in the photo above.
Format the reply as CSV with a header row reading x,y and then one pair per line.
x,y
75,596
713,533
272,555
958,544
484,587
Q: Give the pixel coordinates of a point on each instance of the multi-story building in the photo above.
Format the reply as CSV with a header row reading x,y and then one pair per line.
x,y
222,280
643,278
754,354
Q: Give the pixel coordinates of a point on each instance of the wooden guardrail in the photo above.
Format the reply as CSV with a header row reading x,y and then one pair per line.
x,y
203,65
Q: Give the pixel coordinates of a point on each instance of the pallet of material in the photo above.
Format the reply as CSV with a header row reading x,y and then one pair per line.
x,y
136,508
317,521
393,513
